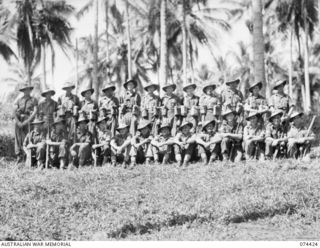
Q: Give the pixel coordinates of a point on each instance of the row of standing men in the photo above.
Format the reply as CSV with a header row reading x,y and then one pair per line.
x,y
134,129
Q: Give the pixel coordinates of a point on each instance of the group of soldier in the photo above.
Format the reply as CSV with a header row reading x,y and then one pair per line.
x,y
132,130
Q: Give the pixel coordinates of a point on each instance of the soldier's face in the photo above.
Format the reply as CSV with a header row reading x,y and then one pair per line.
x,y
145,131
102,125
59,126
82,125
186,129
68,90
256,90
165,131
123,131
37,127
48,96
280,88
190,90
297,120
253,120
210,128
169,90
27,92
151,89
87,94
209,90
108,92
233,85
230,117
276,120
130,86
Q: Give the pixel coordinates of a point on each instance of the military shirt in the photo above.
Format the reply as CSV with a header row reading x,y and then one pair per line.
x,y
251,131
150,102
103,137
170,102
129,100
88,106
184,138
230,99
68,102
119,139
281,102
296,133
48,108
210,101
111,104
84,137
25,107
275,132
227,128
34,138
160,138
255,102
59,136
190,101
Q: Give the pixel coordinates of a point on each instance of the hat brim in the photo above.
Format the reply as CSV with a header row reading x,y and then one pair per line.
x,y
47,92
284,82
237,81
208,86
37,122
151,85
83,92
227,113
164,88
68,87
113,88
144,126
188,86
273,116
60,121
122,127
251,116
130,81
187,124
295,116
207,124
101,120
257,84
86,121
26,88
162,127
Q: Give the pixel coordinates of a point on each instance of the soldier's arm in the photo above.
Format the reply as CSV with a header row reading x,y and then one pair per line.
x,y
34,112
126,143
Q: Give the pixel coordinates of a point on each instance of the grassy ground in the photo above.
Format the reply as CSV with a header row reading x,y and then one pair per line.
x,y
246,201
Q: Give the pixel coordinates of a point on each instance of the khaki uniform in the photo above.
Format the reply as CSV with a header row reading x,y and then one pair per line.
x,y
295,150
275,133
24,109
281,102
210,103
150,104
214,151
230,99
88,106
111,105
125,156
83,151
142,152
227,144
255,103
162,151
61,151
104,152
190,102
170,103
47,109
253,148
127,104
39,139
187,149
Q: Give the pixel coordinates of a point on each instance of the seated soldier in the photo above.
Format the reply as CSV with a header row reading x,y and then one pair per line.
x,y
34,144
121,146
184,144
162,145
231,134
253,137
299,140
58,143
81,150
208,147
276,136
141,149
102,150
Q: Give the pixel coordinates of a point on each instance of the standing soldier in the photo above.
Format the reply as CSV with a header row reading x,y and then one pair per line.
x,y
58,144
299,140
130,105
253,137
255,102
47,108
276,136
150,106
279,100
25,110
190,107
110,104
69,102
231,97
231,133
34,144
210,103
170,107
81,150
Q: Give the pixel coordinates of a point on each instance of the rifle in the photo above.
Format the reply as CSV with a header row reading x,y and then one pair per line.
x,y
309,130
240,120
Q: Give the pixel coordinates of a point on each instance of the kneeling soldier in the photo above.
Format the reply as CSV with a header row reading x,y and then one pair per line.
x,y
34,144
184,144
231,134
121,146
141,149
102,150
253,137
81,150
162,144
208,142
299,140
276,136
58,144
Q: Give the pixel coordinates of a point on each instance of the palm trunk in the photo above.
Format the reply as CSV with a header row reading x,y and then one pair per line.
x,y
258,45
184,44
163,44
290,65
128,40
77,67
95,85
107,36
306,60
44,72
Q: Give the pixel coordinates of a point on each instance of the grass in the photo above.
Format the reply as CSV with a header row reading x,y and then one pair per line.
x,y
246,201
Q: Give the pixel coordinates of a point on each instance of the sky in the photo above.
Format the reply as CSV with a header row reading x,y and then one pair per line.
x,y
65,67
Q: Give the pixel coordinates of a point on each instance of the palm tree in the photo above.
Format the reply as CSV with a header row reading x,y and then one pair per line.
x,y
6,25
163,43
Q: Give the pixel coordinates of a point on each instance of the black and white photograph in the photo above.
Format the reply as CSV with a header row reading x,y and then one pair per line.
x,y
159,120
